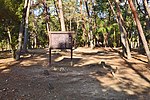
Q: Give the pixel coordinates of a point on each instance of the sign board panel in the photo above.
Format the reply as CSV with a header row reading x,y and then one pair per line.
x,y
61,40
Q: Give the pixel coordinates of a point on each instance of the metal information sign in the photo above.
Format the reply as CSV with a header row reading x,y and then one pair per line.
x,y
60,40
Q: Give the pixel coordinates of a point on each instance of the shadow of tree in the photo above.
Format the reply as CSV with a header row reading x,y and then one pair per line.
x,y
5,54
137,71
89,81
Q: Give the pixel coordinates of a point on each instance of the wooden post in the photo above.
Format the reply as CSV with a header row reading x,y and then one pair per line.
x,y
50,61
71,56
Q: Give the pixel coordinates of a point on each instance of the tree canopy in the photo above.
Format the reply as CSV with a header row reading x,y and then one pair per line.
x,y
97,23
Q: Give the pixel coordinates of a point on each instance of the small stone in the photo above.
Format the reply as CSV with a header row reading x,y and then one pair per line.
x,y
22,95
50,86
62,69
46,72
55,69
4,89
104,90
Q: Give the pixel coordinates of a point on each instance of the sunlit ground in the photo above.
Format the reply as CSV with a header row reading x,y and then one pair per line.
x,y
132,77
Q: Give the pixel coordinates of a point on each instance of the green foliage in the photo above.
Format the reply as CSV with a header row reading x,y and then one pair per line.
x,y
9,20
79,38
19,11
101,19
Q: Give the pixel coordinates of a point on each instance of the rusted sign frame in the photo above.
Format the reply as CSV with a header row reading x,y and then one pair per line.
x,y
65,45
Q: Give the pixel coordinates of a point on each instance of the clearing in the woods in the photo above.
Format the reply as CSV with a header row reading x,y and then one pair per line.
x,y
32,79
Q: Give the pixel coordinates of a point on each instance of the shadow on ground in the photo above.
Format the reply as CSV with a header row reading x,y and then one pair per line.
x,y
87,79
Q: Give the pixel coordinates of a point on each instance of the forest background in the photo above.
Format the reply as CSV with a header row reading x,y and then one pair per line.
x,y
25,24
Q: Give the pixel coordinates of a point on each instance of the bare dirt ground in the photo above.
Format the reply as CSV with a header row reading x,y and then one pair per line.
x,y
32,79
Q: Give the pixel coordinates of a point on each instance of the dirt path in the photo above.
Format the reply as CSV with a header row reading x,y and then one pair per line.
x,y
32,79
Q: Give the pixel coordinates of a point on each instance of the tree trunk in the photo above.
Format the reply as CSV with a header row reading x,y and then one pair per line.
x,y
11,43
70,24
114,41
140,29
120,21
47,21
56,7
61,16
147,10
84,36
35,41
26,27
146,7
105,42
126,49
47,15
18,52
90,26
95,25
